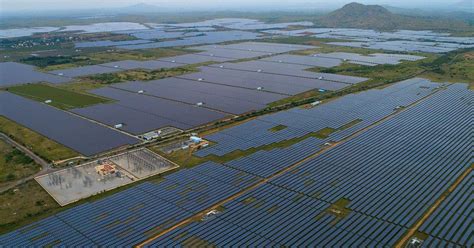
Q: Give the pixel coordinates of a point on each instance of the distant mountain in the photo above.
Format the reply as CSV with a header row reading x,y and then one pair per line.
x,y
453,13
142,8
356,15
468,4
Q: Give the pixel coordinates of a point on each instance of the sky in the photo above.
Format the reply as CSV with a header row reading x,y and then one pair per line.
x,y
38,5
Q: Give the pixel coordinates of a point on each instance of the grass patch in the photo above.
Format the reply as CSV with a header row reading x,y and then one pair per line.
x,y
44,147
338,209
321,44
277,128
249,200
185,158
61,98
50,63
28,201
323,133
14,164
139,75
348,125
455,67
298,97
379,74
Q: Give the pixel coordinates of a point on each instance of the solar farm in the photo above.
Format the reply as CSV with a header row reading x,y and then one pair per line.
x,y
360,201
249,134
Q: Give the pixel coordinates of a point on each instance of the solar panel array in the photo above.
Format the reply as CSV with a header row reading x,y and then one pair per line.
x,y
266,163
334,114
217,53
393,175
252,79
398,169
294,70
454,219
12,73
370,60
84,71
232,23
220,97
406,46
202,38
402,40
104,43
305,60
259,47
272,216
328,60
81,135
139,113
131,216
388,176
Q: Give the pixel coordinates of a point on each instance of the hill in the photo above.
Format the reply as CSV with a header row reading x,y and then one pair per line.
x,y
356,15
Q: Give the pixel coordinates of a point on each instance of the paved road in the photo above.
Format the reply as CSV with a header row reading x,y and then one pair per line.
x,y
45,166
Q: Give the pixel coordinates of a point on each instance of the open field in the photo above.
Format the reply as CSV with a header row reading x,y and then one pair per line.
x,y
24,203
379,73
61,98
139,75
456,67
39,144
14,164
54,63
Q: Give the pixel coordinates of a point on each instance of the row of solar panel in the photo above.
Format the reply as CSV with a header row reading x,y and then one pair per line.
x,y
131,216
273,216
334,114
398,169
453,220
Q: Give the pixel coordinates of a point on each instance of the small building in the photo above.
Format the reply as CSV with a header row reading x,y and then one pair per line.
x,y
199,104
151,135
141,91
316,103
48,101
195,139
260,88
106,168
321,90
119,125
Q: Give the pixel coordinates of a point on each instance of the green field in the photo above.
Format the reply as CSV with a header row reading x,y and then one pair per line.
x,y
61,98
42,146
14,164
455,67
139,75
93,58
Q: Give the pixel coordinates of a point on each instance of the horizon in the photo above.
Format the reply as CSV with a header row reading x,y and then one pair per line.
x,y
27,6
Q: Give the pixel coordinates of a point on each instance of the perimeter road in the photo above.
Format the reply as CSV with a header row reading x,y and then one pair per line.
x,y
45,166
263,181
403,241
